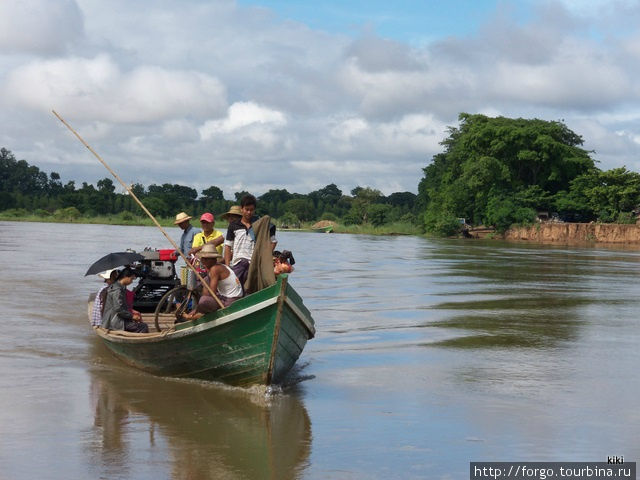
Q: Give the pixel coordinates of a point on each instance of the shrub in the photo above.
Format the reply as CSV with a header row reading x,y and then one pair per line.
x,y
127,216
15,212
289,219
69,213
447,225
378,214
408,218
626,218
352,218
524,216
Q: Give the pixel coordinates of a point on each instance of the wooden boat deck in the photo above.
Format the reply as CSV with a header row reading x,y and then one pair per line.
x,y
167,324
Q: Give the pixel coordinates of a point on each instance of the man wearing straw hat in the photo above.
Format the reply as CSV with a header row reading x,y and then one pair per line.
x,y
188,232
234,213
222,280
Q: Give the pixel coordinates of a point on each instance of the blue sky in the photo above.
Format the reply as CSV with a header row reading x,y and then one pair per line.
x,y
255,95
414,22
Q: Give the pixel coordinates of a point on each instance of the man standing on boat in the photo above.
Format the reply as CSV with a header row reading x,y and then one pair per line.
x,y
188,232
241,238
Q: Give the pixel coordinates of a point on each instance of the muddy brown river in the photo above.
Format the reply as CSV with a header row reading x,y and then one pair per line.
x,y
429,354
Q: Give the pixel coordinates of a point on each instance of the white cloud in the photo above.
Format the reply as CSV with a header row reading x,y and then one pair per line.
x,y
96,89
247,121
255,101
39,26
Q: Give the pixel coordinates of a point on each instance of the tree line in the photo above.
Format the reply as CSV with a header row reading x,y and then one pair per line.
x,y
25,189
492,171
502,171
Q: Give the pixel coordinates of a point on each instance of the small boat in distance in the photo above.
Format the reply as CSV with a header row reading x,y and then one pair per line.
x,y
323,226
256,340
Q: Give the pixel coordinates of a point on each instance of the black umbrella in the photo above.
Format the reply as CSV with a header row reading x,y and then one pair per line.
x,y
113,260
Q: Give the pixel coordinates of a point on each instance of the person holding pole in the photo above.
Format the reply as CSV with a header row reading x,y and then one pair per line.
x,y
137,200
221,280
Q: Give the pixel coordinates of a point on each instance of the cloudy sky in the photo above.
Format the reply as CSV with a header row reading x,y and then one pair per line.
x,y
260,94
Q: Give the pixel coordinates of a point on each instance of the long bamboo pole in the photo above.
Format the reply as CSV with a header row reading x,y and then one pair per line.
x,y
133,195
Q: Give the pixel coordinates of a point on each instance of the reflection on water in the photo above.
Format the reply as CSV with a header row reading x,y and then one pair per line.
x,y
525,296
209,431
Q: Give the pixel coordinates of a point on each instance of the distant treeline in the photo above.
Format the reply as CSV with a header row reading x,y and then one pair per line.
x,y
493,171
26,190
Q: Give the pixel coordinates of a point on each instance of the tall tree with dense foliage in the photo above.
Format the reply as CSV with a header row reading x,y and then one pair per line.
x,y
499,170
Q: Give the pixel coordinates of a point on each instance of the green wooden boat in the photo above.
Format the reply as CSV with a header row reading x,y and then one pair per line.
x,y
256,340
325,229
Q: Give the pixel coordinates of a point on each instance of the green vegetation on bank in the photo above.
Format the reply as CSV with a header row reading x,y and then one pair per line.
x,y
26,193
72,215
502,171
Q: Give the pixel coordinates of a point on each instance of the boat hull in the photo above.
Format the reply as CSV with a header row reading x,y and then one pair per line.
x,y
256,340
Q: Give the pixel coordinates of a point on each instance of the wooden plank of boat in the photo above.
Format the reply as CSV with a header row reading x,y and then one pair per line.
x,y
256,340
327,229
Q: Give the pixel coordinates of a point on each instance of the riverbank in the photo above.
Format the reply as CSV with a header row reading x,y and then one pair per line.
x,y
571,233
395,228
547,233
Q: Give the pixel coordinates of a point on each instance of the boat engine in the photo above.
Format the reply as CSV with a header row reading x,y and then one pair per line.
x,y
157,274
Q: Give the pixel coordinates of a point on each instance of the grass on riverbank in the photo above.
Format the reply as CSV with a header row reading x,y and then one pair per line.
x,y
127,218
395,228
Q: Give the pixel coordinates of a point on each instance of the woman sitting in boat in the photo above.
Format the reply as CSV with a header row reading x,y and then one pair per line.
x,y
117,315
222,280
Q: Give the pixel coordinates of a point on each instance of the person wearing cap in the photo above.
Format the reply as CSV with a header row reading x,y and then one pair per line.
x,y
117,315
209,235
188,232
221,279
109,276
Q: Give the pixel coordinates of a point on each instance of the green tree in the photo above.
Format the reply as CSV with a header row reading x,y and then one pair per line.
x,y
106,186
379,214
365,197
213,193
601,195
300,207
490,164
272,203
19,176
238,196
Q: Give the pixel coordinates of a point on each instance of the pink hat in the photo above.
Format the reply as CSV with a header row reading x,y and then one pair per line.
x,y
206,217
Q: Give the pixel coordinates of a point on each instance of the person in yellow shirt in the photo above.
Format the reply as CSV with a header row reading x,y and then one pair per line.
x,y
209,235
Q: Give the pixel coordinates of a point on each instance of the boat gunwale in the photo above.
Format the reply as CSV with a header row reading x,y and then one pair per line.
x,y
155,337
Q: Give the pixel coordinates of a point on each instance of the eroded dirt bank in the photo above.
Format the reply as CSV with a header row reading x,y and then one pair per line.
x,y
576,233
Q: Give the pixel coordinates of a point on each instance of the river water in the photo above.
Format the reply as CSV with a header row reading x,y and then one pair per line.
x,y
429,354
